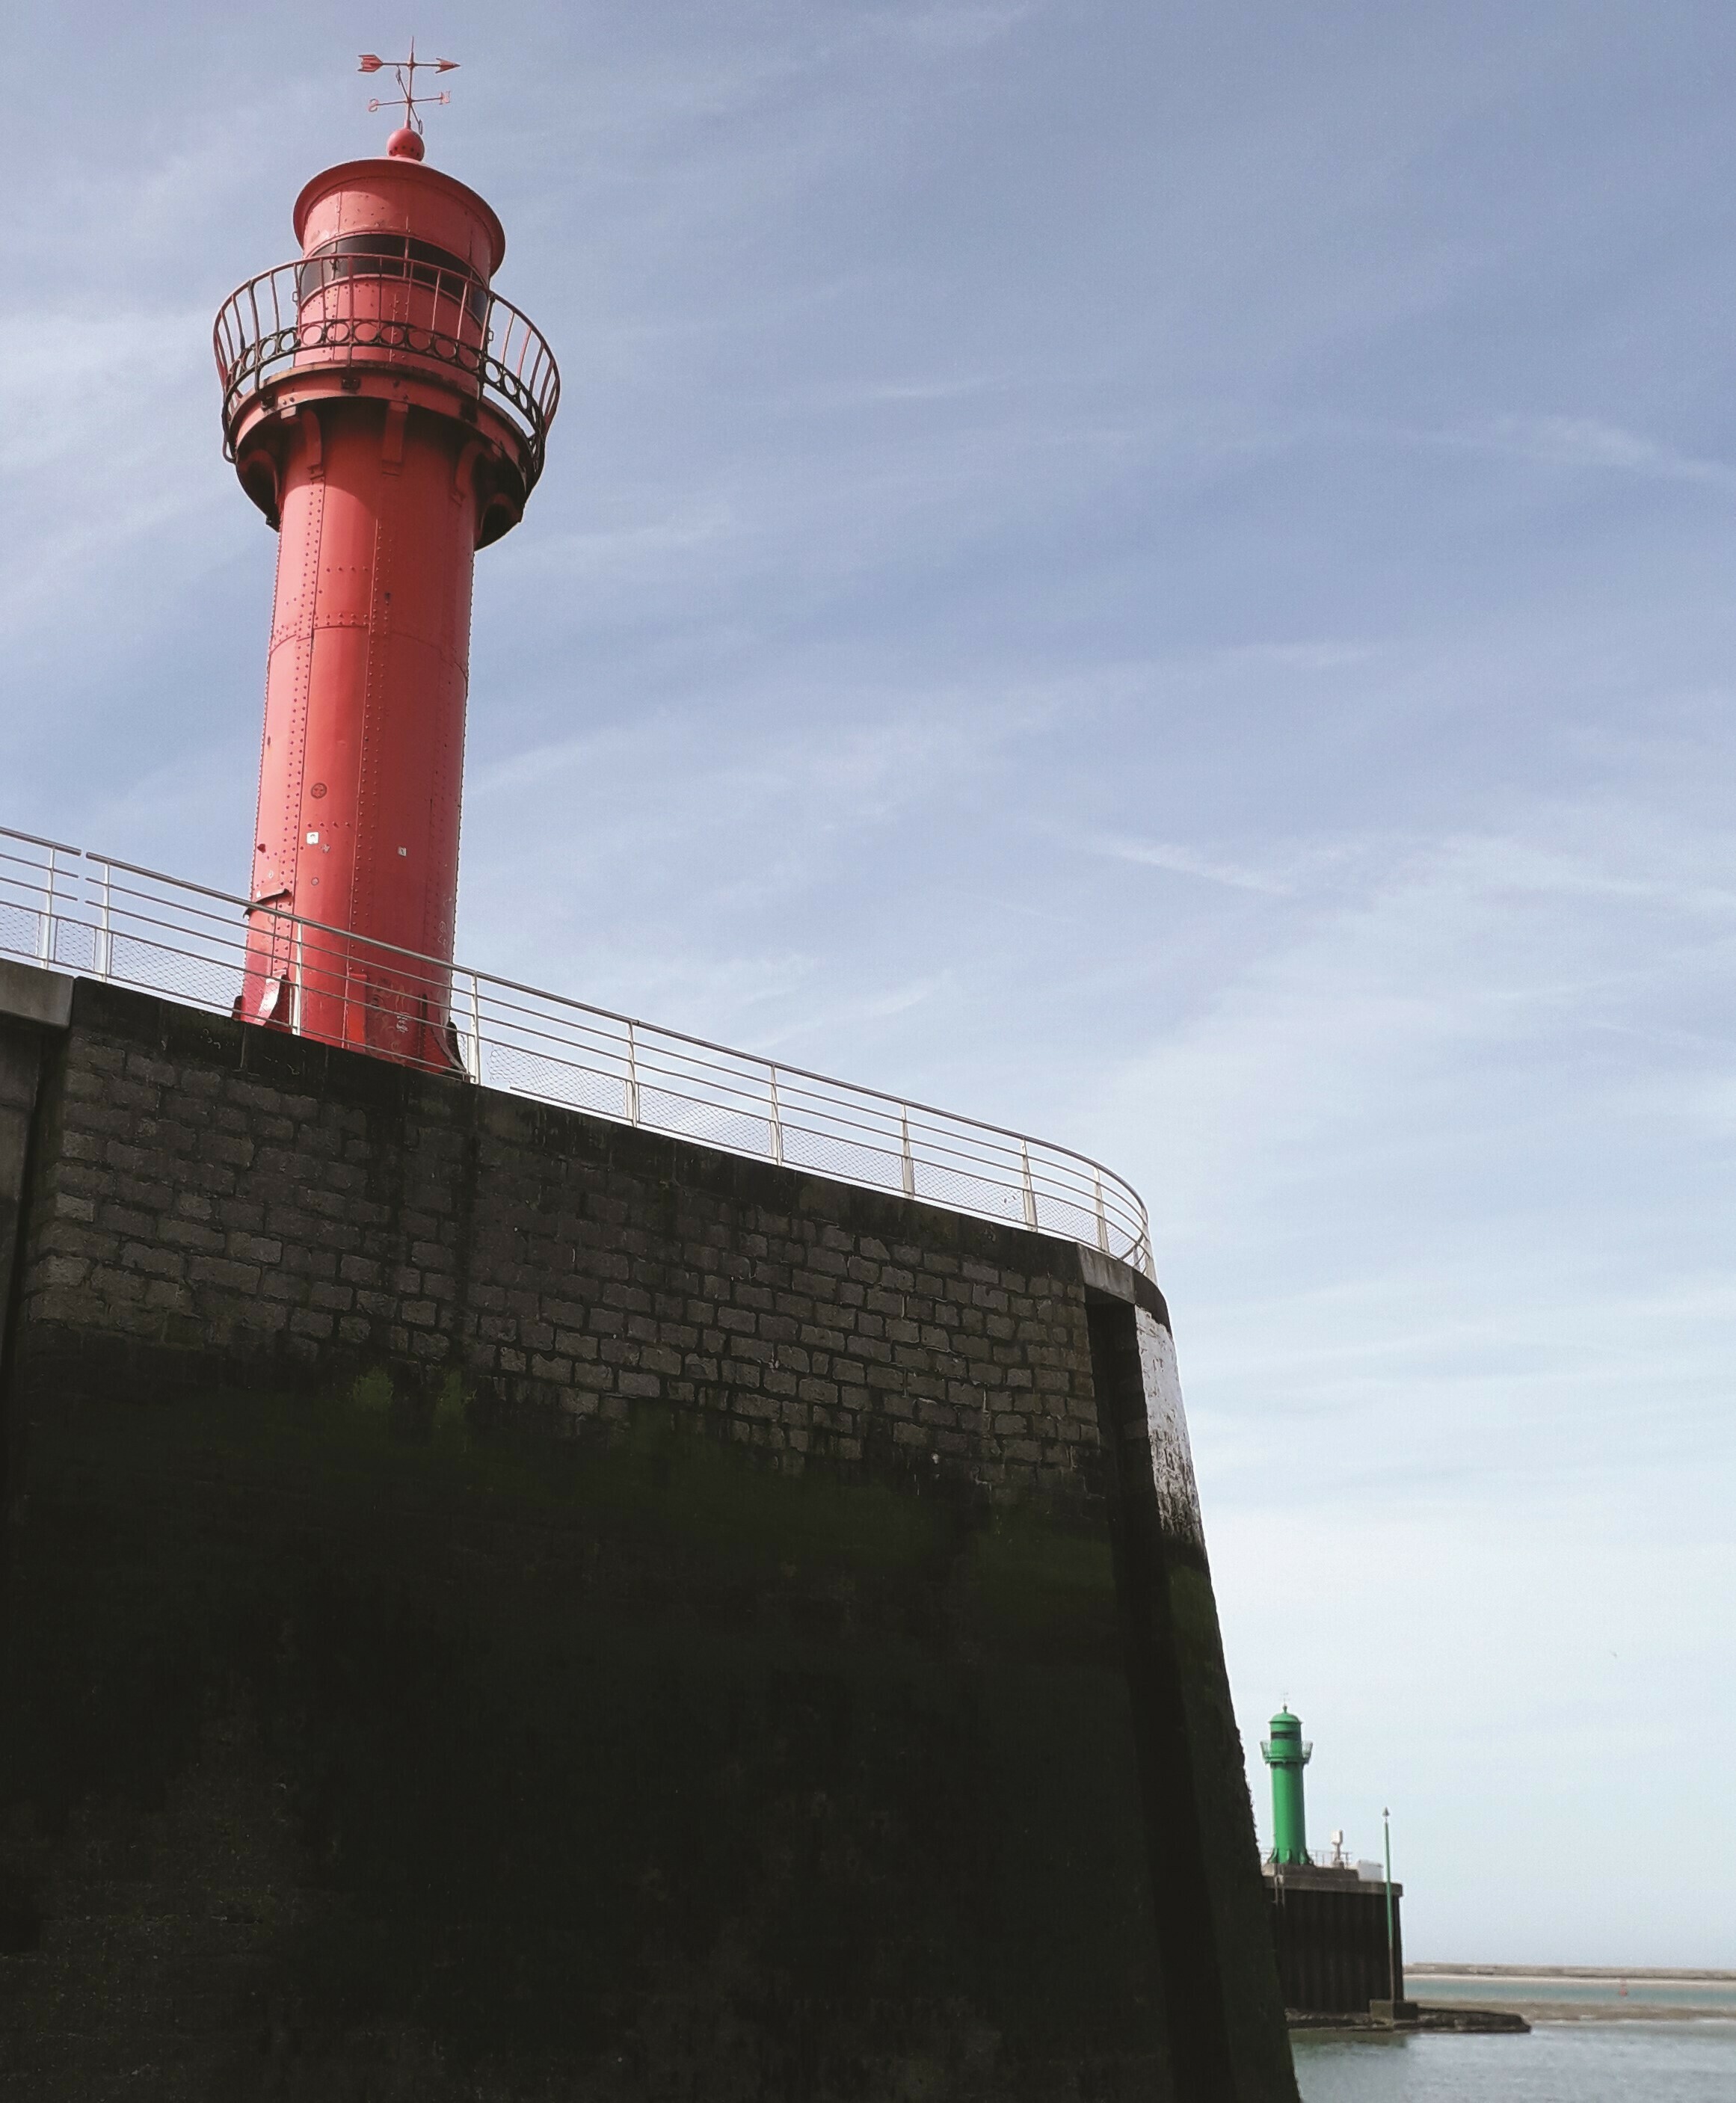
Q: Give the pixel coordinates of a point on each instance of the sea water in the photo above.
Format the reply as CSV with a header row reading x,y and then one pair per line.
x,y
1647,2061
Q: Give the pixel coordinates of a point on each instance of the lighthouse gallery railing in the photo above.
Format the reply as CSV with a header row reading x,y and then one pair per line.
x,y
321,310
71,910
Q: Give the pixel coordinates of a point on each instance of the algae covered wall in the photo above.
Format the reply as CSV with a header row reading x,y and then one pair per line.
x,y
501,1604
1330,1930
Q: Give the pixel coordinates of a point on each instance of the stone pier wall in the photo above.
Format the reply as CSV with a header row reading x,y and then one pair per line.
x,y
551,1610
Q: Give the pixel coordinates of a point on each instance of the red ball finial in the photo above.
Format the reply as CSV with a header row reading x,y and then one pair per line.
x,y
405,144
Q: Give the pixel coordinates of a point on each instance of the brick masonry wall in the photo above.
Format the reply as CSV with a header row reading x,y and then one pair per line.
x,y
213,1191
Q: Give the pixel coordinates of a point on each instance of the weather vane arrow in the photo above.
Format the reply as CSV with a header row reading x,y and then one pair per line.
x,y
406,70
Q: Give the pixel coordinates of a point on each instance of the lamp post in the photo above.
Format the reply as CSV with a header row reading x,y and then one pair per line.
x,y
1392,1962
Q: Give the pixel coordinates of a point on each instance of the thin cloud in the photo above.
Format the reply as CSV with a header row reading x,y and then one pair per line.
x,y
846,1017
958,28
1185,861
1584,442
644,550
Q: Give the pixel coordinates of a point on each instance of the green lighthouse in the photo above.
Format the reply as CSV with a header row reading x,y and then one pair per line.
x,y
1286,1755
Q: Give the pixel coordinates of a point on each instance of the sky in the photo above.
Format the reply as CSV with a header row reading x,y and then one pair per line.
x,y
1161,575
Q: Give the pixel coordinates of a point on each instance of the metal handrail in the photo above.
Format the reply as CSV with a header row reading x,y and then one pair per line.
x,y
97,917
282,318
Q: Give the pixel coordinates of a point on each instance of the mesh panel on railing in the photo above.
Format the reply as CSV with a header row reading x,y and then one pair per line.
x,y
164,966
965,1192
711,1124
850,1160
75,947
20,930
1078,1223
555,1080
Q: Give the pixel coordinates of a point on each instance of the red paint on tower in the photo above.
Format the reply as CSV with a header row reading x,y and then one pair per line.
x,y
387,412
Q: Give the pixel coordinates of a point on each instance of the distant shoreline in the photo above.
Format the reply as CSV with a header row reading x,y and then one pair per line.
x,y
1541,2013
1666,1975
1583,1993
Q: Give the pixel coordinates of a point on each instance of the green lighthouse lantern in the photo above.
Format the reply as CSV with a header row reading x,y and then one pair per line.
x,y
1286,1755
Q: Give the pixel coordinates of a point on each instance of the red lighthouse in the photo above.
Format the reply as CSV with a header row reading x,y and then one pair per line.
x,y
387,412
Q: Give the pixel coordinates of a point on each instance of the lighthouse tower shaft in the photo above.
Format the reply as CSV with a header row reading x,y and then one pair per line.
x,y
387,412
1286,1754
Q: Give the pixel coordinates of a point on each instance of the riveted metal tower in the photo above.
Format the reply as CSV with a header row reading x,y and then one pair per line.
x,y
1286,1755
387,412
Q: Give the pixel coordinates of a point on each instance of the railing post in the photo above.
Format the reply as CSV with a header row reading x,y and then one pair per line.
x,y
632,1077
45,935
297,948
103,962
476,1027
1031,1188
1096,1177
777,1122
908,1164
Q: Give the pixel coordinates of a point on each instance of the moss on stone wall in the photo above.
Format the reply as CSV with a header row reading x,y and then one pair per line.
x,y
479,1758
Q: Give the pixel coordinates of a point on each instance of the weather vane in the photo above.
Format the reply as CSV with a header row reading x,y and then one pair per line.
x,y
406,70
